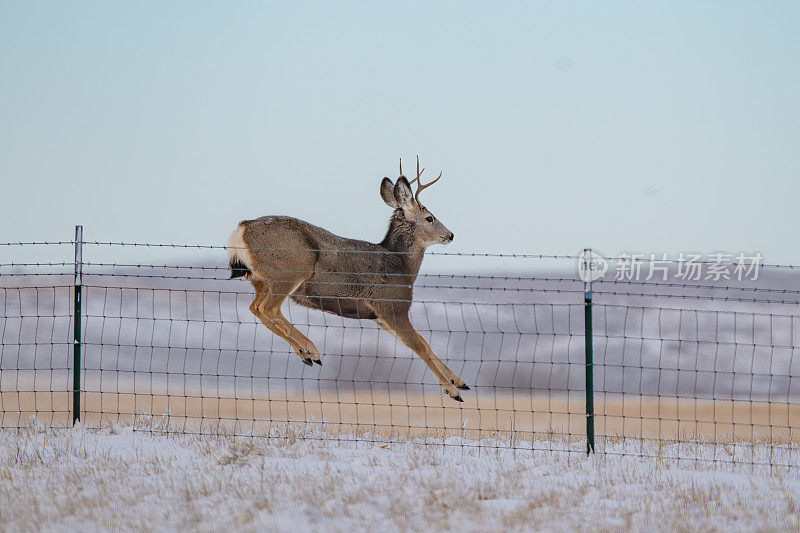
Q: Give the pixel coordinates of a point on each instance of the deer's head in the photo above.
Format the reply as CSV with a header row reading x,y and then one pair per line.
x,y
412,223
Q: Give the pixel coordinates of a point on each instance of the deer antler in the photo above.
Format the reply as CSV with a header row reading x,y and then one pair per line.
x,y
420,186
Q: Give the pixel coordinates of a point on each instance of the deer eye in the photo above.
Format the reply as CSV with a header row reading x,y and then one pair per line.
x,y
429,218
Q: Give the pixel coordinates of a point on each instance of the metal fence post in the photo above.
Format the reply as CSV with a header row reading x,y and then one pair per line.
x,y
587,322
76,342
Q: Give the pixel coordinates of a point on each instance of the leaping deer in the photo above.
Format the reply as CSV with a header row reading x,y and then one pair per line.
x,y
286,257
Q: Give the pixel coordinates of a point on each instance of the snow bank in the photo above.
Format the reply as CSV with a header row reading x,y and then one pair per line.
x,y
118,478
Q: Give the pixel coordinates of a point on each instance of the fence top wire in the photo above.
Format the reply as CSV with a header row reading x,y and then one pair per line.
x,y
349,250
544,256
39,264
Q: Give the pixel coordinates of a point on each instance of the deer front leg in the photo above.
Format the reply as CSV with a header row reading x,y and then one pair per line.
x,y
448,374
403,330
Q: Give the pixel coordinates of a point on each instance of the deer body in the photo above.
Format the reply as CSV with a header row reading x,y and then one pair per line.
x,y
284,257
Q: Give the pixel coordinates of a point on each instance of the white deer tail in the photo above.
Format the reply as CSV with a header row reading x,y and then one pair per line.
x,y
238,255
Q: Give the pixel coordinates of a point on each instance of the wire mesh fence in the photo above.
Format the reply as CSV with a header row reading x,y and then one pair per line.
x,y
696,370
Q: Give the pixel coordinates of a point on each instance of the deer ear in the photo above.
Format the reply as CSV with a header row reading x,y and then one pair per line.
x,y
387,193
402,193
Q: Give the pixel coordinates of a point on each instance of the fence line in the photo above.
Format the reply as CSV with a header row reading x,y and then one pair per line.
x,y
198,246
696,372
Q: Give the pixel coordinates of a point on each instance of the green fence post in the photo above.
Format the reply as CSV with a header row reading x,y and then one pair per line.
x,y
76,340
588,267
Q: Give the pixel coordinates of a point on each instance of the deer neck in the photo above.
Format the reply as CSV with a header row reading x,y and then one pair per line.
x,y
407,254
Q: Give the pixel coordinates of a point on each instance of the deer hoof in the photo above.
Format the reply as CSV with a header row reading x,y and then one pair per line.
x,y
458,398
308,361
463,387
318,361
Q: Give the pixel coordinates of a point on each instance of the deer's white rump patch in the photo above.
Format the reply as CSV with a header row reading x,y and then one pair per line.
x,y
238,250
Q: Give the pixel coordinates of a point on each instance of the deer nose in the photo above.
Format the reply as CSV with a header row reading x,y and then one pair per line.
x,y
451,237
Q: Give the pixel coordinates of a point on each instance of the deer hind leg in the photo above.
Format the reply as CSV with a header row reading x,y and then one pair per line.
x,y
267,307
402,329
262,291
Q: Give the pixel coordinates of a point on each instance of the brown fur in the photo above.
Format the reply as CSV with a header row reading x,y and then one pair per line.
x,y
289,258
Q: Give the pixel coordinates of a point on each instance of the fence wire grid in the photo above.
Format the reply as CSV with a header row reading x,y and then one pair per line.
x,y
693,371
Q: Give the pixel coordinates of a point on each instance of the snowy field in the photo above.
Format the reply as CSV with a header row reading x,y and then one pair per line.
x,y
120,479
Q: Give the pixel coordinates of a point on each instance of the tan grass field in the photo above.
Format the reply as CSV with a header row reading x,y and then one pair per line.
x,y
118,479
426,414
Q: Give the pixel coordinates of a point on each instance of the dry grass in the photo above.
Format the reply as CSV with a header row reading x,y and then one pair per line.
x,y
519,416
114,479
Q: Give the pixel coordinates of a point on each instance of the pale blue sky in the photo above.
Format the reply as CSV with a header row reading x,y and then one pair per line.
x,y
653,127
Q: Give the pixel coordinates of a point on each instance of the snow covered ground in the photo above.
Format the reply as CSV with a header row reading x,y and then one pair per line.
x,y
120,479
